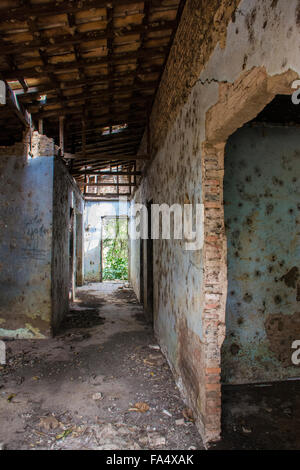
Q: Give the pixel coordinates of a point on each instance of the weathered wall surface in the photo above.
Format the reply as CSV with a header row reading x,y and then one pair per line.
x,y
25,246
66,196
203,25
135,267
260,34
34,230
92,234
262,194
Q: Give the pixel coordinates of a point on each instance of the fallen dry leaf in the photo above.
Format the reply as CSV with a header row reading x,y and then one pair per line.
x,y
188,414
148,362
141,407
78,431
49,422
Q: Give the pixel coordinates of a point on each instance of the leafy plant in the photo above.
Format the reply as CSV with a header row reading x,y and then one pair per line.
x,y
115,250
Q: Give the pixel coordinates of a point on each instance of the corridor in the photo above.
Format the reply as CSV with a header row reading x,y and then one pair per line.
x,y
82,389
149,224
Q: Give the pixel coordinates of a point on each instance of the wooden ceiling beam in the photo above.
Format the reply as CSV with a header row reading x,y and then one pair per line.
x,y
55,8
98,95
109,173
102,156
100,165
65,40
16,108
120,149
72,110
102,145
106,156
67,67
31,21
108,184
101,197
148,86
107,148
104,121
114,145
98,138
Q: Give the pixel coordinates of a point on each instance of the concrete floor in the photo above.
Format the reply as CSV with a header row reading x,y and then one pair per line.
x,y
261,416
76,391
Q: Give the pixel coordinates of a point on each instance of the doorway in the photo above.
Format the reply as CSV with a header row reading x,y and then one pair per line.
x,y
148,296
261,199
141,271
114,248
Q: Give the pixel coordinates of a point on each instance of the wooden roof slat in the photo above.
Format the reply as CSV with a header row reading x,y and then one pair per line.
x,y
112,92
98,62
118,58
72,110
102,156
79,38
66,6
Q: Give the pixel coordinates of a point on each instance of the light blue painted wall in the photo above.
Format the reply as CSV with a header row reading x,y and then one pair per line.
x,y
262,216
25,245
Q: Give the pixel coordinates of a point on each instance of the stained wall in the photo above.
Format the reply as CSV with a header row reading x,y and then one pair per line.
x,y
67,208
34,230
262,194
256,34
25,246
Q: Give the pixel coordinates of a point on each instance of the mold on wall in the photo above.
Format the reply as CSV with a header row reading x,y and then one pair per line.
x,y
25,245
203,25
93,212
261,194
135,264
33,223
189,288
67,203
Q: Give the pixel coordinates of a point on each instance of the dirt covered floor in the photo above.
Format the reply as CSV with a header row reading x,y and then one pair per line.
x,y
261,417
100,384
103,383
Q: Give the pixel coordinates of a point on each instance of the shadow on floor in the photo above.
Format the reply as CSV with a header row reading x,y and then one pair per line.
x,y
264,417
80,389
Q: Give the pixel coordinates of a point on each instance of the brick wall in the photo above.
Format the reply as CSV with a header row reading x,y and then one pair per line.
x,y
203,25
212,86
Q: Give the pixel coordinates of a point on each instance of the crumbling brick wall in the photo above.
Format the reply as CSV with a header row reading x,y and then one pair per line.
x,y
240,76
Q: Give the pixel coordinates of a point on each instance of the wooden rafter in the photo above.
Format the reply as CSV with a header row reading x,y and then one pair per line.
x,y
92,65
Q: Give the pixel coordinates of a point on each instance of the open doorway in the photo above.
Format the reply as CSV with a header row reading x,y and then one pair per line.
x,y
72,255
141,271
114,248
148,269
261,213
240,103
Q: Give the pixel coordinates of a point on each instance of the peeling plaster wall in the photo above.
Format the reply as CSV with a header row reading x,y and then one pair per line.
x,y
134,261
25,246
66,195
261,34
262,194
93,211
175,178
34,244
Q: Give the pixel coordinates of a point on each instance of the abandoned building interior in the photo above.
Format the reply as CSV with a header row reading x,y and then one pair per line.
x,y
110,105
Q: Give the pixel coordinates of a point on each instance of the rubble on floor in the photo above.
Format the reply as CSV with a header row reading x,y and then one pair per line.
x,y
76,391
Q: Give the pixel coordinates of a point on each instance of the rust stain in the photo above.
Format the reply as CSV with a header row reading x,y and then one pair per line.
x,y
290,279
282,331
